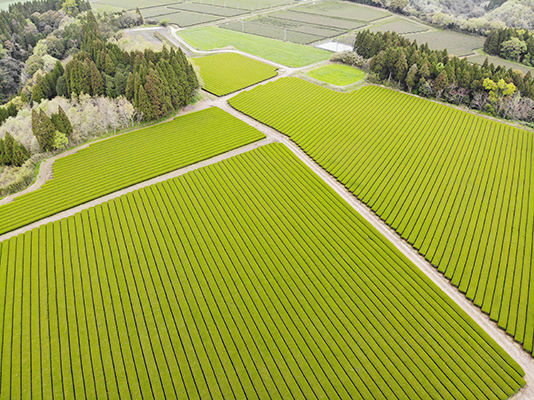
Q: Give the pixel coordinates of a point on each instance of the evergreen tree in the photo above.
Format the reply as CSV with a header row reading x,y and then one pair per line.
x,y
61,122
144,106
97,84
61,87
37,93
9,147
20,155
43,129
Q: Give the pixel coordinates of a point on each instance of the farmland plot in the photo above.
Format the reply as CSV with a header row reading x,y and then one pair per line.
x,y
209,9
290,54
458,187
109,165
249,278
186,18
228,72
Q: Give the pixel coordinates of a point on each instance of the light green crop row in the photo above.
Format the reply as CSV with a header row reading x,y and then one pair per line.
x,y
228,72
249,278
458,187
122,161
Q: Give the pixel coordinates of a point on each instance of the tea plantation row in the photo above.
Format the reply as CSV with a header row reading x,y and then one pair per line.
x,y
214,286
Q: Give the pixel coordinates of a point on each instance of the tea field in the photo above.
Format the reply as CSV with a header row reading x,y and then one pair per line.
x,y
228,72
214,286
107,166
457,186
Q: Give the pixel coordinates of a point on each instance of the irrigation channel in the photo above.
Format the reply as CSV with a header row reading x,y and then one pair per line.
x,y
525,360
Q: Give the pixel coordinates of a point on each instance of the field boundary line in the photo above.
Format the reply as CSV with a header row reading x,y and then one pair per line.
x,y
525,360
162,178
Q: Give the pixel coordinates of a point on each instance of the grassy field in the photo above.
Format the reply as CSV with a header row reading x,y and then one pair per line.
x,y
107,166
337,74
457,186
210,287
290,54
228,72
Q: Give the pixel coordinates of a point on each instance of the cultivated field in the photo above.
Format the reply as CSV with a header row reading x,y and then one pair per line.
x,y
321,20
122,161
214,286
228,72
457,186
290,54
337,74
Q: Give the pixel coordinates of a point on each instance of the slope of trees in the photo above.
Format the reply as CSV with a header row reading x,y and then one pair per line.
x,y
395,60
155,82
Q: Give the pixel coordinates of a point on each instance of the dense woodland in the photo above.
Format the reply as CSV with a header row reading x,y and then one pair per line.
x,y
395,60
512,44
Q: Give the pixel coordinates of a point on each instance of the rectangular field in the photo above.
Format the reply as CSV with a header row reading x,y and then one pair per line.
x,y
132,5
290,54
457,186
249,278
228,72
109,165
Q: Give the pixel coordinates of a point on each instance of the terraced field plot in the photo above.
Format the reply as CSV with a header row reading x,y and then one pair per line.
x,y
248,5
337,74
209,9
401,26
321,20
214,286
290,54
270,31
186,18
458,187
228,72
107,166
458,44
344,10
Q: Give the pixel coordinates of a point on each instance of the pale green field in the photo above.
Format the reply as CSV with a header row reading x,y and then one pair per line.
x,y
290,54
337,74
